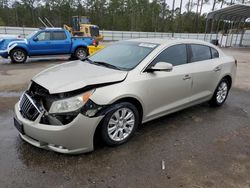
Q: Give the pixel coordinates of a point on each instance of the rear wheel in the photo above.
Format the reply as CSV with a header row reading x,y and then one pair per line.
x,y
221,93
120,124
18,55
81,53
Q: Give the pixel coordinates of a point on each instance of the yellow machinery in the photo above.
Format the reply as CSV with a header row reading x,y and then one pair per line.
x,y
82,27
94,49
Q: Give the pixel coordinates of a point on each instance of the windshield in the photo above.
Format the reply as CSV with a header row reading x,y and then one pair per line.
x,y
124,55
31,35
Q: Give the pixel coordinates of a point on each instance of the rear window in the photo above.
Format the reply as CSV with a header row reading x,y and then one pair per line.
x,y
59,35
200,52
94,31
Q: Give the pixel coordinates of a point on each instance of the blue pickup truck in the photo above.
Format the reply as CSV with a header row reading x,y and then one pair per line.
x,y
44,42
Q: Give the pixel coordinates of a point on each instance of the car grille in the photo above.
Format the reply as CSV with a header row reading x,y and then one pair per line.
x,y
28,108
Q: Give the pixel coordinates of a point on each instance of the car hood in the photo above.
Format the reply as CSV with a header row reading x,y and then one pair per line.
x,y
5,42
76,75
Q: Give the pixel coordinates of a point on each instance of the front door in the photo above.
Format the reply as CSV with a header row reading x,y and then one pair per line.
x,y
40,44
168,91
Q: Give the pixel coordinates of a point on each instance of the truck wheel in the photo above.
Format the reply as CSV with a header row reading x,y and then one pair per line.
x,y
81,53
18,55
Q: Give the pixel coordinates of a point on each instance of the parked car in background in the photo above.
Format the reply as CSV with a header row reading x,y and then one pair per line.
x,y
44,42
119,87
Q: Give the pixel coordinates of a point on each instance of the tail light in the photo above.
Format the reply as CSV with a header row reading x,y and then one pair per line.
x,y
94,42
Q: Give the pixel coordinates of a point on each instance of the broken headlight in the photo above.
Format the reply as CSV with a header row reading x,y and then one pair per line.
x,y
70,104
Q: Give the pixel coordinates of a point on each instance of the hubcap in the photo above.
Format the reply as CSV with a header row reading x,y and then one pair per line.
x,y
222,92
121,124
81,54
18,56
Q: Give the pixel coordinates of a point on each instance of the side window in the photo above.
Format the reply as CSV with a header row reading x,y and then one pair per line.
x,y
59,35
215,53
176,55
45,35
200,52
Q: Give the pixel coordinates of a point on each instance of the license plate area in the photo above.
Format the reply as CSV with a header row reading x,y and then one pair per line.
x,y
19,126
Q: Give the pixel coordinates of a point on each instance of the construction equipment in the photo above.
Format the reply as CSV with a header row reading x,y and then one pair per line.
x,y
81,26
93,49
45,20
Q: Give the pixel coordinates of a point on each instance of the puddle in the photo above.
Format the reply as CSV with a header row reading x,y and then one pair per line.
x,y
10,93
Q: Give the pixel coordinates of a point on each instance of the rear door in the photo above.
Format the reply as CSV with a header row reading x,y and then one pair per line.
x,y
60,43
206,68
40,44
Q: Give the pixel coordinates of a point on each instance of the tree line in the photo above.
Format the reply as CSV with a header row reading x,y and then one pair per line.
x,y
124,15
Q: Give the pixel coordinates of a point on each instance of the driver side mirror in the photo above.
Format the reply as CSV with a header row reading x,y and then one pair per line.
x,y
35,39
161,66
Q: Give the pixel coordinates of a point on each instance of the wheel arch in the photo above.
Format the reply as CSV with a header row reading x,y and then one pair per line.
x,y
19,47
229,79
80,46
131,100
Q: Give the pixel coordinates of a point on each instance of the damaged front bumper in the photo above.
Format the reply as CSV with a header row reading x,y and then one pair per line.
x,y
72,138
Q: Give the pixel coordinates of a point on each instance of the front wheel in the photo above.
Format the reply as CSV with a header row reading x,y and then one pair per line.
x,y
81,53
18,56
221,93
120,124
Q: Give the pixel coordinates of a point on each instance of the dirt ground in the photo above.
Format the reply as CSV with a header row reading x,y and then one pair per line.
x,y
200,146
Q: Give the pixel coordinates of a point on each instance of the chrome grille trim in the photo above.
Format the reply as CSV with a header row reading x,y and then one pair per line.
x,y
28,108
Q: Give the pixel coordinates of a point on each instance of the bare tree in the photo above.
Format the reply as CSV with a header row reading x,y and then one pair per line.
x,y
214,3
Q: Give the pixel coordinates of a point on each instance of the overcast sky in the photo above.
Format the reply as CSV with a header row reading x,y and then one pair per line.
x,y
206,8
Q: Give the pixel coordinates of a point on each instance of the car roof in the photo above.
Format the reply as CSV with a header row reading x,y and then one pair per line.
x,y
51,29
168,40
173,41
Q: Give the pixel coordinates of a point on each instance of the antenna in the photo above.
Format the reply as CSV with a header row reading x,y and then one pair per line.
x,y
48,22
42,22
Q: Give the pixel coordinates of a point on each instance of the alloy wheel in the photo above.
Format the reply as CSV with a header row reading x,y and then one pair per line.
x,y
19,56
222,92
121,124
81,54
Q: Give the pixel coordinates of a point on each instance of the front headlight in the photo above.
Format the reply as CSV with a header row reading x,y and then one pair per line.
x,y
70,104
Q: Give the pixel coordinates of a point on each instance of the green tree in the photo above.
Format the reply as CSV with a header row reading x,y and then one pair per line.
x,y
1,22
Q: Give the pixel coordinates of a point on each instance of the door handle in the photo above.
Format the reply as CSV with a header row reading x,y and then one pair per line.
x,y
187,77
217,69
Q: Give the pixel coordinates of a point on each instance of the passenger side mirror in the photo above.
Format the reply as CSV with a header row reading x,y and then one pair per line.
x,y
161,66
35,39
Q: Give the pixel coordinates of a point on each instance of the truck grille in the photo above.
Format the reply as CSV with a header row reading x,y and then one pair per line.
x,y
28,108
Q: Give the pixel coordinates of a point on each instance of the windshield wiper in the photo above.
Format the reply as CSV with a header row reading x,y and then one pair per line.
x,y
106,65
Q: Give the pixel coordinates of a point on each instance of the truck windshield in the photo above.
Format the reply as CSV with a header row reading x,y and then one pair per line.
x,y
123,55
31,35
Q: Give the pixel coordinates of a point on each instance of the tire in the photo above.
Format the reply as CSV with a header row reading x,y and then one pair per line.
x,y
18,55
72,57
220,93
116,132
81,53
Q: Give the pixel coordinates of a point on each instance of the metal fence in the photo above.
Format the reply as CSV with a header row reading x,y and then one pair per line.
x,y
224,40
